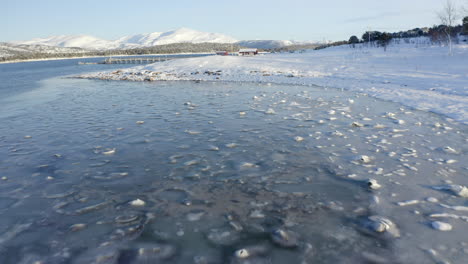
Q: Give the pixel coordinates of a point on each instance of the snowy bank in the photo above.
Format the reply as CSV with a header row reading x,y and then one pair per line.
x,y
420,75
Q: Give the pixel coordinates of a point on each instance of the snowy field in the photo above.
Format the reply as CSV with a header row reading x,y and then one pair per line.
x,y
415,74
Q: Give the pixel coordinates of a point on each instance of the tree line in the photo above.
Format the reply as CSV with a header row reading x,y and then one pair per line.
x,y
446,32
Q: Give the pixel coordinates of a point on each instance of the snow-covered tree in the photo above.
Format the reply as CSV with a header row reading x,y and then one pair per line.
x,y
448,17
465,26
353,40
384,40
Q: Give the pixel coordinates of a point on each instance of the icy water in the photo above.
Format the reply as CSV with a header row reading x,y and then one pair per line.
x,y
184,172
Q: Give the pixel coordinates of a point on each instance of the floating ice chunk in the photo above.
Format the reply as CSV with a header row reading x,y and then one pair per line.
x,y
373,184
191,162
284,238
192,132
410,202
298,139
242,253
357,124
110,152
140,122
242,113
137,203
381,224
448,149
337,133
248,165
77,227
4,178
379,126
213,148
406,165
270,111
231,145
451,161
432,200
251,251
351,101
455,207
444,215
401,122
364,159
27,137
456,189
379,171
441,226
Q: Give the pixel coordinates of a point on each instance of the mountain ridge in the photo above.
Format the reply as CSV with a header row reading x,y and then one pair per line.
x,y
181,35
131,41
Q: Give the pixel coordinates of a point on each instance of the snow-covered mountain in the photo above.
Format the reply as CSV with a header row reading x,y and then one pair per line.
x,y
176,36
181,35
79,41
134,41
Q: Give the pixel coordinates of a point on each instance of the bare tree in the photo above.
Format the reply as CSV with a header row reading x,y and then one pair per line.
x,y
448,17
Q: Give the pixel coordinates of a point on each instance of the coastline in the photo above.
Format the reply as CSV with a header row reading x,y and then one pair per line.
x,y
91,57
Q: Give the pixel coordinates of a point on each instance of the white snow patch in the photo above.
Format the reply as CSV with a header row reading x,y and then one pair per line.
x,y
424,77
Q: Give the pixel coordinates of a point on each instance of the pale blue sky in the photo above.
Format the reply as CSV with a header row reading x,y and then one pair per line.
x,y
241,19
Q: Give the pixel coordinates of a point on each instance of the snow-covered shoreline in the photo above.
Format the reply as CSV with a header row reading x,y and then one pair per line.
x,y
418,75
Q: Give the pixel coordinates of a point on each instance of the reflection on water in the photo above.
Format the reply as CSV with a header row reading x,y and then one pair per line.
x,y
117,172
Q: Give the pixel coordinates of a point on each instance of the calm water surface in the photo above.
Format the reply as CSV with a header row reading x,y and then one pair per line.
x,y
220,167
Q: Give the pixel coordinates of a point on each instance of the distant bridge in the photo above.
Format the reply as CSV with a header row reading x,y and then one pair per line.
x,y
153,59
135,60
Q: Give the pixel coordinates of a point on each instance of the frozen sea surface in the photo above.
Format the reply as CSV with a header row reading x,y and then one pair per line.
x,y
185,172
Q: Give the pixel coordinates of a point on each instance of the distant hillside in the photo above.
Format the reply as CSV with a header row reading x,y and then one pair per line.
x,y
11,50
